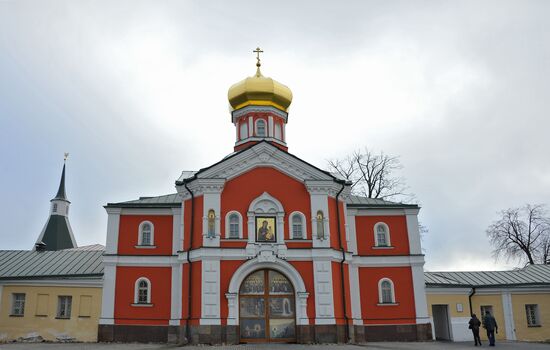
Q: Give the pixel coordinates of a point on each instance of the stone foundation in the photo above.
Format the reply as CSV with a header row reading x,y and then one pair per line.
x,y
215,334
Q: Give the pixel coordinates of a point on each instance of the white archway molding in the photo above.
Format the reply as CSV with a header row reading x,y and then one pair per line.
x,y
266,204
300,293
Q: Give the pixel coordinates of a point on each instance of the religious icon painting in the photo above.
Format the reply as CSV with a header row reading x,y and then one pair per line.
x,y
265,229
253,284
252,307
282,328
252,328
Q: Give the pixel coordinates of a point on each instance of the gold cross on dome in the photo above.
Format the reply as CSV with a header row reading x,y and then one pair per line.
x,y
258,51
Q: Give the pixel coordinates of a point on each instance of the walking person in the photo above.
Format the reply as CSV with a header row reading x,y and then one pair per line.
x,y
490,324
474,325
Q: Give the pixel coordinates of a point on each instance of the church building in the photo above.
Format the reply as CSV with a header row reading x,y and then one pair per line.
x,y
262,246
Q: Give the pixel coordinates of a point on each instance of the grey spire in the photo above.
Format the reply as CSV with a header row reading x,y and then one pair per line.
x,y
61,191
57,233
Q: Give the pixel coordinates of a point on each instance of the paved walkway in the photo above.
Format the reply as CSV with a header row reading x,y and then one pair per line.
x,y
369,346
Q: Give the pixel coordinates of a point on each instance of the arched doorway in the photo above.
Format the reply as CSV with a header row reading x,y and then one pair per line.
x,y
267,310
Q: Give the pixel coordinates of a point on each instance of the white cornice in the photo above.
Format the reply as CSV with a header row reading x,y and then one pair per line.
x,y
388,260
257,109
96,282
140,260
323,187
264,155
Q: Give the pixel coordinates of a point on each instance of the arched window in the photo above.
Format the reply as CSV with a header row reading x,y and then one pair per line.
x,y
55,207
381,235
146,234
320,225
386,293
243,130
298,228
142,293
278,135
260,128
233,226
211,223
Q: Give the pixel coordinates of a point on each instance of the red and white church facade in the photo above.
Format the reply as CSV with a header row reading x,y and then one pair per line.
x,y
262,247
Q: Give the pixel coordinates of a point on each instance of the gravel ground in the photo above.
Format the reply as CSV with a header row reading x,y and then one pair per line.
x,y
373,346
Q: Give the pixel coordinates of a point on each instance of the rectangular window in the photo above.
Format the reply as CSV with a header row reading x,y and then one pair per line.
x,y
64,303
18,304
146,238
42,305
532,313
85,307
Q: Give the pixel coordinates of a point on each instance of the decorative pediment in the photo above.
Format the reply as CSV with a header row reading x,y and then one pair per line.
x,y
266,204
263,154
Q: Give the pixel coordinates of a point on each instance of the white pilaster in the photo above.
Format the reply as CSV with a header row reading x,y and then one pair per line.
x,y
324,300
177,229
210,308
509,323
250,127
413,232
270,124
419,285
355,294
352,244
108,297
175,305
113,223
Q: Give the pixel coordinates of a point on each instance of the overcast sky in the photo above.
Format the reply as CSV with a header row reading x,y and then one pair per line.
x,y
136,91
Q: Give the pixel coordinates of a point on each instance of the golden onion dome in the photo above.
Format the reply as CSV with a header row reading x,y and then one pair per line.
x,y
259,90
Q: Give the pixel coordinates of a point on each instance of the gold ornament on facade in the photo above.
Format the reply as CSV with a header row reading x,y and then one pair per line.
x,y
259,90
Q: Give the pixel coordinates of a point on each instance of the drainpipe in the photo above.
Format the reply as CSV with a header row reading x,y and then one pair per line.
x,y
470,299
347,337
189,281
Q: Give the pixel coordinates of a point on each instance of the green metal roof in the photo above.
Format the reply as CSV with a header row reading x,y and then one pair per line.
x,y
530,275
60,264
165,201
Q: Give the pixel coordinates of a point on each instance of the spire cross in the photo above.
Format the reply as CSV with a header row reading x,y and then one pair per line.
x,y
258,51
65,157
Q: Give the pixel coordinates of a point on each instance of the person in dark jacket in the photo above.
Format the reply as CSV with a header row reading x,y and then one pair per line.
x,y
490,324
474,325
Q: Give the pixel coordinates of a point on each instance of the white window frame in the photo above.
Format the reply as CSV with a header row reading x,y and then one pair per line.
x,y
537,315
136,291
291,223
278,131
388,235
243,130
140,234
227,225
21,304
68,306
257,134
380,295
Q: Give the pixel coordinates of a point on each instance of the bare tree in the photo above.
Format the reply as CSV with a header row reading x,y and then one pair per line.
x,y
372,175
522,233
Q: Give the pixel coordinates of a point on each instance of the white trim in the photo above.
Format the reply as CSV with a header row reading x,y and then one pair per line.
x,y
324,298
113,223
210,291
140,233
262,154
228,225
291,224
97,282
388,236
419,290
176,297
144,211
108,295
270,132
355,295
279,265
258,109
380,296
140,260
177,229
508,311
136,290
388,260
250,126
413,232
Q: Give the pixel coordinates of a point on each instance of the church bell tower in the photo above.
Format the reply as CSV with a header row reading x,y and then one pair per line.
x,y
259,109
